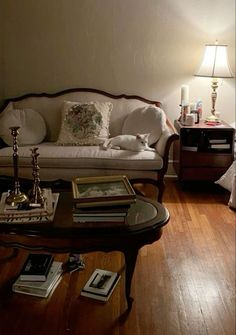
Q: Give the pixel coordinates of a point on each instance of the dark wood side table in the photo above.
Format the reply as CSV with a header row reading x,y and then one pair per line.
x,y
203,152
144,226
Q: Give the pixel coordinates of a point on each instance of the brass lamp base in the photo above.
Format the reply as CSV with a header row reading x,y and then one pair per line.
x,y
214,117
214,86
16,199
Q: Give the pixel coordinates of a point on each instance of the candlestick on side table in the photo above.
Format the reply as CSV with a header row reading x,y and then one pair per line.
x,y
184,103
184,95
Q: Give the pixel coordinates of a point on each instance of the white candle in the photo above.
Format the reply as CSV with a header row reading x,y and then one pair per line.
x,y
184,95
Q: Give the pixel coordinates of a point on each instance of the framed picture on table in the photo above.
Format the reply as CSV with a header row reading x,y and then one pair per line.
x,y
107,190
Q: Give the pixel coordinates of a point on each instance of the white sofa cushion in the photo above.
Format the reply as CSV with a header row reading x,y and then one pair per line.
x,y
32,126
149,119
84,123
83,157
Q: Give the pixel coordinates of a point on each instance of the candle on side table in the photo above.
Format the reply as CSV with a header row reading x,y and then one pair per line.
x,y
184,95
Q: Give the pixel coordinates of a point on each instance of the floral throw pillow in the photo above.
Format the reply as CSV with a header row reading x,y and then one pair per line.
x,y
84,123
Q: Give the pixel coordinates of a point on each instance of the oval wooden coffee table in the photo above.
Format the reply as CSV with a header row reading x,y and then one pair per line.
x,y
144,226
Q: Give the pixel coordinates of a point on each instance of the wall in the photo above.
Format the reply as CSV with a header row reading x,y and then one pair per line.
x,y
1,52
140,47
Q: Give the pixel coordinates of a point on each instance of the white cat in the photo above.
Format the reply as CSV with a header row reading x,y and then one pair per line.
x,y
128,142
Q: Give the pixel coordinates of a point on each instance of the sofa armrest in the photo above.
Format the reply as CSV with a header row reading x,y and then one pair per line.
x,y
164,143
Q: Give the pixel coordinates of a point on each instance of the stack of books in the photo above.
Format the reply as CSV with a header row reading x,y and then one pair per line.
x,y
113,214
100,285
39,276
28,213
212,120
219,144
102,200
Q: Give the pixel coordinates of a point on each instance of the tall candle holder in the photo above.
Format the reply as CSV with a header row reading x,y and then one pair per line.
x,y
183,113
16,197
35,194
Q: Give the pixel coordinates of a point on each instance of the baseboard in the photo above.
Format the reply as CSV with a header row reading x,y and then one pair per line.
x,y
170,171
173,177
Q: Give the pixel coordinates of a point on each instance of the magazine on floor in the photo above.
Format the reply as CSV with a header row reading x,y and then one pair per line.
x,y
100,285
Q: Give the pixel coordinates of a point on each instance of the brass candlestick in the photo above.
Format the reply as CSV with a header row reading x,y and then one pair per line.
x,y
16,197
35,194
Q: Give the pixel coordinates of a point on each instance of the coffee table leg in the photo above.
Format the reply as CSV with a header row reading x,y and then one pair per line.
x,y
13,254
130,261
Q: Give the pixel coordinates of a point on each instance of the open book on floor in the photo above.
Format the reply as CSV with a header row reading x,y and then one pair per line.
x,y
43,288
100,285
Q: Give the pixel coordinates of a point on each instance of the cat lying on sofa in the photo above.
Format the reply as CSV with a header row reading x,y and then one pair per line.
x,y
128,142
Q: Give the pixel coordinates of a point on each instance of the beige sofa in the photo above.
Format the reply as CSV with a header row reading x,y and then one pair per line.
x,y
65,162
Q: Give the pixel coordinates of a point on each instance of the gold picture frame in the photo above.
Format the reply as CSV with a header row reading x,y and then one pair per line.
x,y
106,190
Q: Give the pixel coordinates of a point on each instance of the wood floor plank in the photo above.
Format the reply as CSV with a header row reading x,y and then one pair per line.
x,y
183,284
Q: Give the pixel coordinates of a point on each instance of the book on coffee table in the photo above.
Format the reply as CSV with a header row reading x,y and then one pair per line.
x,y
100,285
37,288
31,216
109,214
36,267
102,211
26,210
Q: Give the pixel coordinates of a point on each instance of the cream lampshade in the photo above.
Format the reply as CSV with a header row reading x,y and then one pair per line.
x,y
214,65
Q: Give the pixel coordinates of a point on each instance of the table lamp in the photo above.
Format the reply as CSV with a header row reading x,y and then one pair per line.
x,y
214,65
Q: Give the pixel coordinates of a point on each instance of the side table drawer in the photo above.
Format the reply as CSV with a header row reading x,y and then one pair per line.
x,y
198,159
203,152
201,173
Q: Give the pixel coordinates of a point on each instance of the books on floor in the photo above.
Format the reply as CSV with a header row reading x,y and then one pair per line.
x,y
44,214
39,288
100,285
36,267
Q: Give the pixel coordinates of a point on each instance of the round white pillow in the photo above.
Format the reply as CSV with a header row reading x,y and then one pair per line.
x,y
144,120
32,126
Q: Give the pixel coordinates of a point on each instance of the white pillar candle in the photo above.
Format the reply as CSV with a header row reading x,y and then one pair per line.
x,y
184,95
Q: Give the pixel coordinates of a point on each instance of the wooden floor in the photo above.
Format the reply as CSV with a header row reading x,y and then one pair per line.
x,y
183,284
